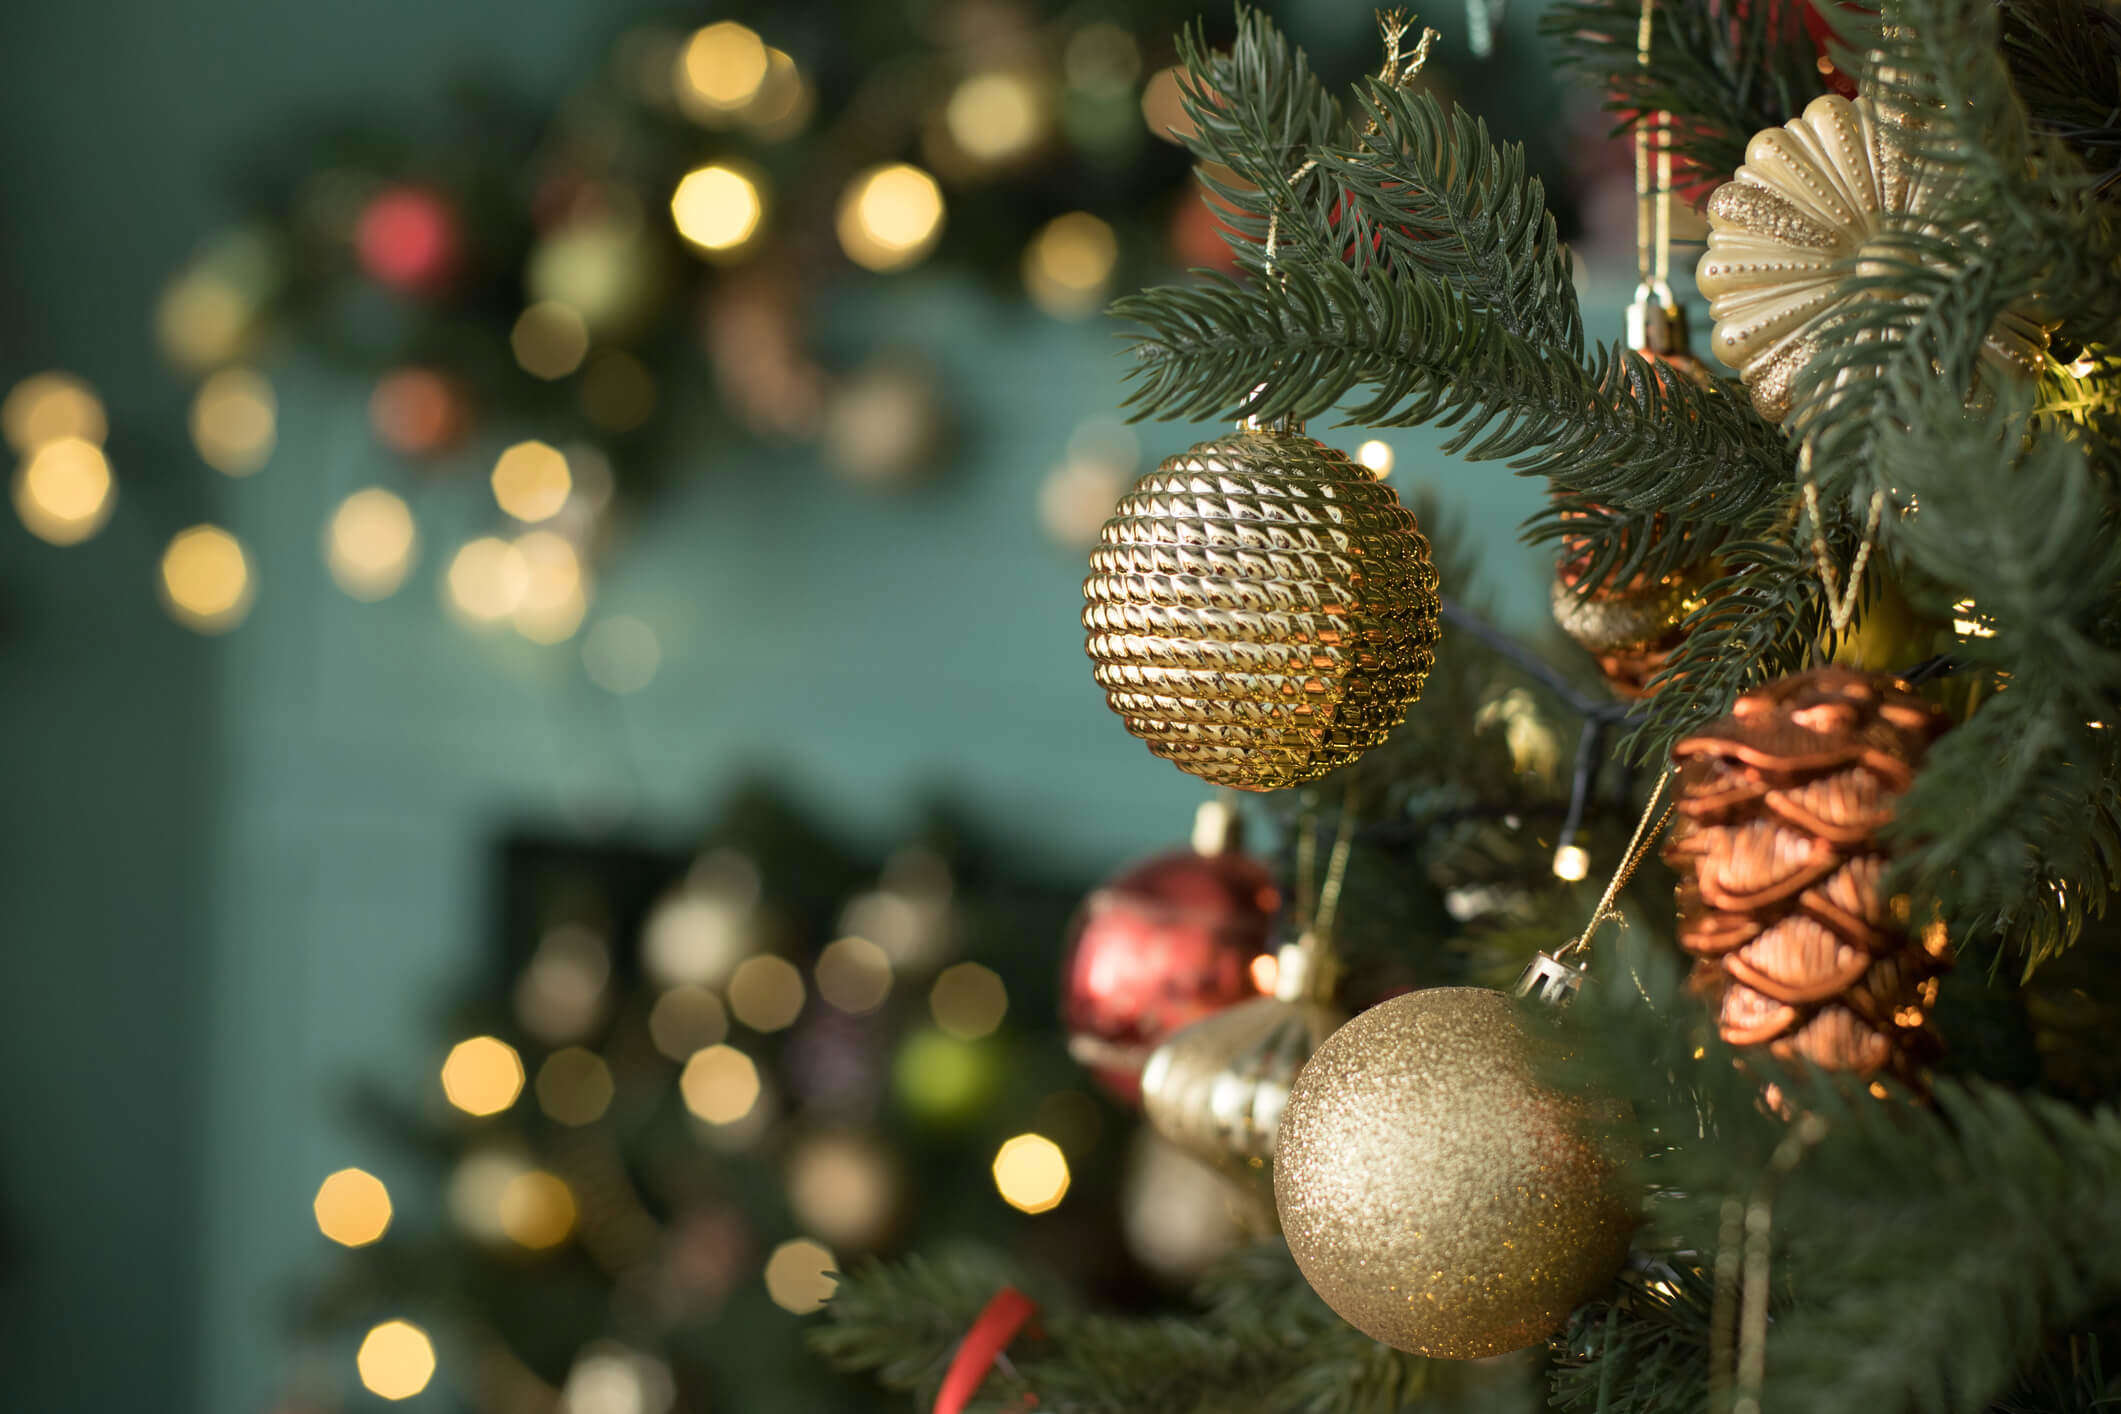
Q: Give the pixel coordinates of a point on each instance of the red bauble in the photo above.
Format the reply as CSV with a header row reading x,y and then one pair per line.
x,y
407,238
1168,942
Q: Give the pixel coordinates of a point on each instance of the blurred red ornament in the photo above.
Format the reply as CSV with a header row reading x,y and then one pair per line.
x,y
418,412
1165,944
1197,235
407,239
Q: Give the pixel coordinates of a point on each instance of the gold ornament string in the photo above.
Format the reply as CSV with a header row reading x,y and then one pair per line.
x,y
1743,1250
1336,868
1639,847
1840,599
1653,200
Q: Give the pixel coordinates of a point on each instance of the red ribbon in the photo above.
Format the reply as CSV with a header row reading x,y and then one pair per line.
x,y
990,1335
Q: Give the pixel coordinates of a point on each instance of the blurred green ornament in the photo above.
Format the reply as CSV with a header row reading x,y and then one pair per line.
x,y
941,1080
608,268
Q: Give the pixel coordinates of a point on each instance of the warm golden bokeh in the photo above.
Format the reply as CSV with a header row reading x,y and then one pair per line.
x,y
396,1360
369,543
206,579
531,481
1068,265
549,340
487,580
854,975
352,1207
843,1187
720,1084
48,406
717,207
890,216
536,1210
720,71
968,1001
64,492
574,1086
687,1019
1031,1173
801,1275
766,993
483,1075
234,421
555,596
1377,456
996,116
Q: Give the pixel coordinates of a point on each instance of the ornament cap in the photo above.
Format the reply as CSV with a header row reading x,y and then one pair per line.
x,y
1549,980
1657,321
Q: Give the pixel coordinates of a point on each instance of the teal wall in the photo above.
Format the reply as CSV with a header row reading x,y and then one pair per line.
x,y
237,873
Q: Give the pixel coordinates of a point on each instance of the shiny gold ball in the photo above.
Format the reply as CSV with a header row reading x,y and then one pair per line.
x,y
1261,610
1434,1193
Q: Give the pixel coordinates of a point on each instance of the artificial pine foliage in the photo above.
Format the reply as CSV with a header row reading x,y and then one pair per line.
x,y
1839,1251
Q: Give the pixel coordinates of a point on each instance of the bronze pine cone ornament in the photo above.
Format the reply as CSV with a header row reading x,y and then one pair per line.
x,y
1781,902
1261,610
1819,200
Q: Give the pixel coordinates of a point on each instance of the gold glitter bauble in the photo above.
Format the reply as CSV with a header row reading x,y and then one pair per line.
x,y
1261,610
1821,200
1434,1193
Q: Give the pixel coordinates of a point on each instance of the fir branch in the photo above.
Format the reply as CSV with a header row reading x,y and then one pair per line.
x,y
1723,71
1651,1337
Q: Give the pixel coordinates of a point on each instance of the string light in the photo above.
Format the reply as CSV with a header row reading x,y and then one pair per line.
x,y
48,406
1572,862
1069,263
537,1210
206,580
1031,1173
890,216
352,1207
854,975
396,1360
801,1275
766,993
720,71
487,580
720,1084
1377,456
531,481
482,1076
369,542
233,421
968,1001
549,340
994,117
64,492
717,207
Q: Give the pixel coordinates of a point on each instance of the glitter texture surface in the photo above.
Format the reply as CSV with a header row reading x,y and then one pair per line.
x,y
1434,1193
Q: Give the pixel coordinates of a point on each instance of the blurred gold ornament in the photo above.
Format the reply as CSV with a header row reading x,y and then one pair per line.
x,y
1261,610
1828,197
1434,1193
1217,1088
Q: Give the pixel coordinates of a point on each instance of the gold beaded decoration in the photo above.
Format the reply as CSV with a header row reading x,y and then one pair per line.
x,y
1261,609
1819,200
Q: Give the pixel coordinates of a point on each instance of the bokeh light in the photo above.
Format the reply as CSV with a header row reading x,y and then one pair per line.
x,y
417,412
1031,1173
549,340
203,319
784,102
618,391
717,207
369,543
720,1084
233,421
854,975
482,1075
941,1079
537,1210
1163,107
1068,265
801,1275
1102,56
396,1360
48,406
206,579
687,1019
487,579
554,598
890,216
574,1086
561,993
720,71
64,492
531,481
352,1207
475,1188
621,654
843,1187
766,993
993,117
968,1001
1572,863
1377,456
609,1378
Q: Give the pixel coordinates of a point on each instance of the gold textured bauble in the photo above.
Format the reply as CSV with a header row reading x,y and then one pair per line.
x,y
1820,199
1261,609
1434,1193
1217,1087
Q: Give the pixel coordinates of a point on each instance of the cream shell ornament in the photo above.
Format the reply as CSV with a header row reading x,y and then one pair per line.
x,y
1820,199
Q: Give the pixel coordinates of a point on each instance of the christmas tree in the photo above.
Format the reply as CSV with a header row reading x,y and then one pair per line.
x,y
1834,1131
